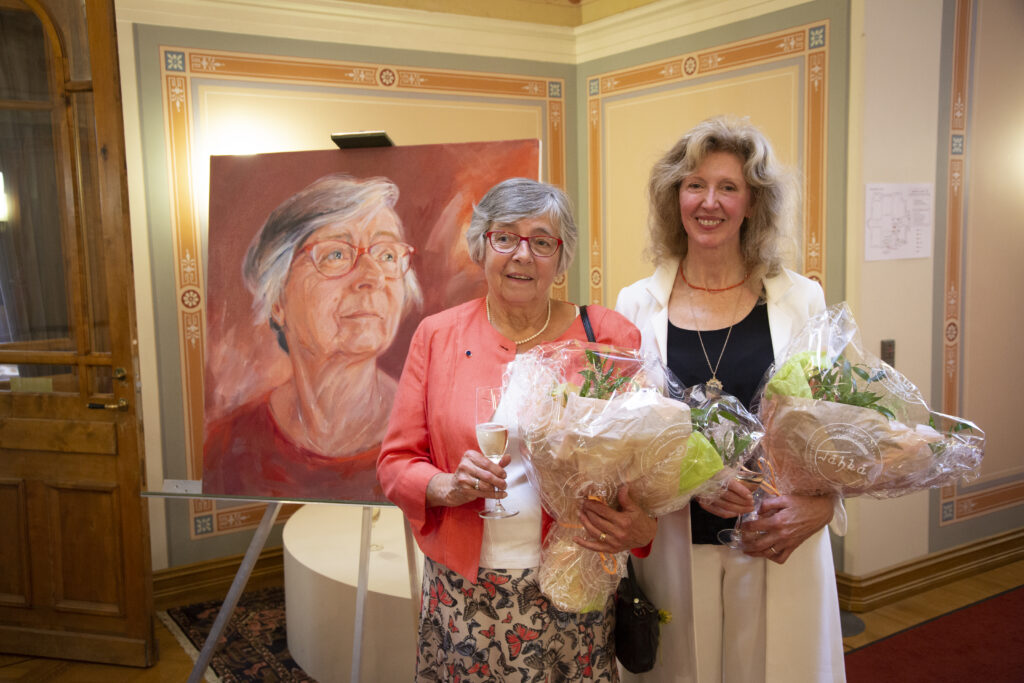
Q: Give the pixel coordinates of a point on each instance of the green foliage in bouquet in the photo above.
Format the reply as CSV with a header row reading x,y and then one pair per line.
x,y
600,381
805,375
809,375
703,418
955,428
721,437
838,383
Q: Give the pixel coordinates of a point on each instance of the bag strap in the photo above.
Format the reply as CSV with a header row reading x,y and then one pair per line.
x,y
585,319
629,568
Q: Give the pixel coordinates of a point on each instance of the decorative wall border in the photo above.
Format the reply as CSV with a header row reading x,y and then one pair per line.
x,y
957,502
178,66
955,208
809,42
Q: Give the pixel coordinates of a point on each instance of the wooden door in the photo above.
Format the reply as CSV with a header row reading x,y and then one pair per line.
x,y
75,577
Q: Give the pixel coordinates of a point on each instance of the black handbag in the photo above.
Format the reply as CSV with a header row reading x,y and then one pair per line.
x,y
637,625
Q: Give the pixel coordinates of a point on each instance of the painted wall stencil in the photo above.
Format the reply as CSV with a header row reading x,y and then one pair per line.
x,y
321,264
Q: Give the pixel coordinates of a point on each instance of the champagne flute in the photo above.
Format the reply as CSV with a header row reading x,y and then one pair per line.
x,y
492,437
752,479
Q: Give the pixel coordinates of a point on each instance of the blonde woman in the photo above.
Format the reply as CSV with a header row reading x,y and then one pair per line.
x,y
719,307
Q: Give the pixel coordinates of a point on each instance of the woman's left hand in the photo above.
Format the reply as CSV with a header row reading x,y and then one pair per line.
x,y
784,522
612,531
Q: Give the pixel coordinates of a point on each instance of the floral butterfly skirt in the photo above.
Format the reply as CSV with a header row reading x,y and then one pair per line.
x,y
504,629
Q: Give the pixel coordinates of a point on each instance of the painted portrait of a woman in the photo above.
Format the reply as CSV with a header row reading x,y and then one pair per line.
x,y
331,274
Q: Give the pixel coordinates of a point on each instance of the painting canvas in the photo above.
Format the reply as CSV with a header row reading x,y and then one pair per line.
x,y
320,266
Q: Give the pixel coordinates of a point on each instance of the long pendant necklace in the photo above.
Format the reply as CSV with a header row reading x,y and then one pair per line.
x,y
487,306
714,385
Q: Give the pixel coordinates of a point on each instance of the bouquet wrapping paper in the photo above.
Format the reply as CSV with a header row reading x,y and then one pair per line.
x,y
840,420
592,418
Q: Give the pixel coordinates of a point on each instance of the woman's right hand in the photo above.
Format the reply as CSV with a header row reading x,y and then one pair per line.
x,y
475,477
733,501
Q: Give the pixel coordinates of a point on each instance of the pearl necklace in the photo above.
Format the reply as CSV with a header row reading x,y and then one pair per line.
x,y
487,305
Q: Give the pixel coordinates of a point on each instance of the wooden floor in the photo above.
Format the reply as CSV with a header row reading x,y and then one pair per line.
x,y
887,620
175,664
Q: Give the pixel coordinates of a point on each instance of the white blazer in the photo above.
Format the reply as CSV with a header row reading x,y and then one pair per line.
x,y
804,637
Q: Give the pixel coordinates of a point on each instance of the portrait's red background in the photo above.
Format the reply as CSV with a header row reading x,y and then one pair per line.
x,y
438,186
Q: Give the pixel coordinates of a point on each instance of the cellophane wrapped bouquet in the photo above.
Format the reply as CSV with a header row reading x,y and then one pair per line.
x,y
840,420
591,418
723,424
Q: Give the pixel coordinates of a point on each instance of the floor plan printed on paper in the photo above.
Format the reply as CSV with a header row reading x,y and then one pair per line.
x,y
898,221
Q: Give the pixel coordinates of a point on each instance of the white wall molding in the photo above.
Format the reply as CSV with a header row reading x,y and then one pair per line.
x,y
331,21
666,20
334,21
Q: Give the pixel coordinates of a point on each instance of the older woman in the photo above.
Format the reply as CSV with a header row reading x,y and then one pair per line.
x,y
482,614
719,307
329,272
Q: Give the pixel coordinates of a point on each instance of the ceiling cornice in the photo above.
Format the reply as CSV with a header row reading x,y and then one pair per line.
x,y
665,20
331,21
336,21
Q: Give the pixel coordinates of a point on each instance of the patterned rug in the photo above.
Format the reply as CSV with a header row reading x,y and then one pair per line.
x,y
253,646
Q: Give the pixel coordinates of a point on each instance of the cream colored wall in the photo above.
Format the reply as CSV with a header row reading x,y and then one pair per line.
x,y
894,91
771,99
994,323
238,120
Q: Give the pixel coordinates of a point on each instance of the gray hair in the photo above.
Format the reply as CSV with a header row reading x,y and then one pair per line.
x,y
332,198
517,198
773,192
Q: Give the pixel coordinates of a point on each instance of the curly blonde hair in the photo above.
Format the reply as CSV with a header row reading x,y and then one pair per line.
x,y
764,235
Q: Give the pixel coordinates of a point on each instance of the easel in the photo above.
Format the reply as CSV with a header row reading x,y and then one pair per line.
x,y
193,489
227,607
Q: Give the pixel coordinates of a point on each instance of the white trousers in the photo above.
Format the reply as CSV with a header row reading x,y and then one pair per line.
x,y
729,615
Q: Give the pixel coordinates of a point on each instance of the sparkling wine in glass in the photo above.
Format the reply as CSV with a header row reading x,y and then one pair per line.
x,y
492,437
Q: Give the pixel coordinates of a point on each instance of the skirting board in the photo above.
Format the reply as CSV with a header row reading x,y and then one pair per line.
x,y
211,579
865,593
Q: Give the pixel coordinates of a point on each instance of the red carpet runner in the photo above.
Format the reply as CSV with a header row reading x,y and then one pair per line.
x,y
980,643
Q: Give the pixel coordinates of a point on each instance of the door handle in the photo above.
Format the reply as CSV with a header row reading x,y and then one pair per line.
x,y
122,404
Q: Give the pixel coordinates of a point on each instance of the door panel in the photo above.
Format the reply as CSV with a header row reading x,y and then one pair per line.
x,y
14,588
83,518
75,579
58,435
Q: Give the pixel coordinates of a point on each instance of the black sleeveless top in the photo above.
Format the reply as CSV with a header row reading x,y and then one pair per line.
x,y
745,360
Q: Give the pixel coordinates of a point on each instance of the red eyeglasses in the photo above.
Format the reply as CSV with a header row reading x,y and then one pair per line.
x,y
507,242
336,258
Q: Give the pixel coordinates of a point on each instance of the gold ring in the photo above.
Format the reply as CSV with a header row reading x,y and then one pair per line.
x,y
774,551
603,536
